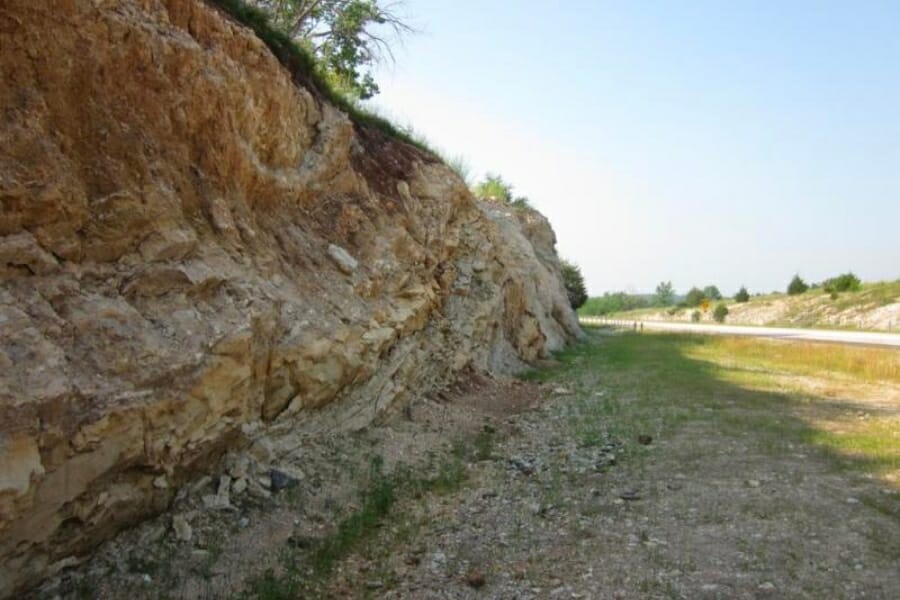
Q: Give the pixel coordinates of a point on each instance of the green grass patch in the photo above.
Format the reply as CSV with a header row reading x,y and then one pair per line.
x,y
653,383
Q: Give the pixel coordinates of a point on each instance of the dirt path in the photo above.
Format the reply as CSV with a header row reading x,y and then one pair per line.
x,y
629,469
727,501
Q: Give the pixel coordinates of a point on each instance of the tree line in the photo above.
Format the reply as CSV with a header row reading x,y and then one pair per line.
x,y
665,296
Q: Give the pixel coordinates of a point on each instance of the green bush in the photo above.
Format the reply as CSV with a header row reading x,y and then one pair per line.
x,y
574,283
694,297
695,316
613,302
742,295
848,282
720,312
796,286
712,292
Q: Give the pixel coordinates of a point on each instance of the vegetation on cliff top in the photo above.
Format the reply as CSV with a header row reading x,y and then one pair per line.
x,y
303,66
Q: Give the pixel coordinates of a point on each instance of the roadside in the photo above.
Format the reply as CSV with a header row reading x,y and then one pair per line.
x,y
874,307
863,338
633,466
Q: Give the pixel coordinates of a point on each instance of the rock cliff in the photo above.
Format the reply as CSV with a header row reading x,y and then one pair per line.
x,y
193,247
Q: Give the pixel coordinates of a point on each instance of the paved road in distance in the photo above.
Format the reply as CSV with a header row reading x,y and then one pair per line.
x,y
864,338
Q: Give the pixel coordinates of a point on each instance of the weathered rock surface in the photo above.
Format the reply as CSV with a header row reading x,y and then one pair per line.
x,y
169,201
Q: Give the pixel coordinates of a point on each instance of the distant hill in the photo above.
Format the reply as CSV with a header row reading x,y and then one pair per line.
x,y
876,306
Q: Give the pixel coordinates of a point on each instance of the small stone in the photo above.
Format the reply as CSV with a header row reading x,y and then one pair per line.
x,y
244,522
767,586
182,529
281,480
216,502
438,562
146,578
561,391
630,495
852,500
754,483
161,482
346,263
374,585
475,578
239,486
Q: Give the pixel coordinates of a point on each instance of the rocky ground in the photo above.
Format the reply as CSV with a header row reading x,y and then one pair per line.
x,y
626,471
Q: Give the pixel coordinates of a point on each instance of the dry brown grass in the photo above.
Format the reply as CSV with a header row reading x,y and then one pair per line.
x,y
805,358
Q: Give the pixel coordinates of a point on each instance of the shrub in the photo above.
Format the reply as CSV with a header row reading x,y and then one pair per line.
x,y
695,316
720,312
742,295
796,286
612,303
493,187
574,284
694,297
848,282
712,292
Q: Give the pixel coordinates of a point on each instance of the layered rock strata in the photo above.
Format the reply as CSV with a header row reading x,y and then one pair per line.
x,y
193,247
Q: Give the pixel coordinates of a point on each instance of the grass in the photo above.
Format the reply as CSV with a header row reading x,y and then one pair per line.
x,y
302,65
299,575
656,382
858,363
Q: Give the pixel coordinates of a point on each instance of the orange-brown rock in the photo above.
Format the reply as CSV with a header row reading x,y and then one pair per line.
x,y
193,247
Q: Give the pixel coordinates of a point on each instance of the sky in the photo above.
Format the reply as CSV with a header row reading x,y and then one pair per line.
x,y
727,143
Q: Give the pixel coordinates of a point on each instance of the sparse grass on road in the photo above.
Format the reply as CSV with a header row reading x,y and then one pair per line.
x,y
772,473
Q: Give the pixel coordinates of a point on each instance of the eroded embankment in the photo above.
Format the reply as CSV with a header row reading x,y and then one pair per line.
x,y
193,248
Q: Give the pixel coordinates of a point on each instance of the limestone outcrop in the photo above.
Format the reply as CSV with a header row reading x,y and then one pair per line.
x,y
193,247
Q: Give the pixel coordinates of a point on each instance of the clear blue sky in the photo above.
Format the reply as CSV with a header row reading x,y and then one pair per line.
x,y
699,142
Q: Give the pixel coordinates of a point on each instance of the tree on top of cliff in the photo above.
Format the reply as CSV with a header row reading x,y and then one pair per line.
x,y
574,283
345,36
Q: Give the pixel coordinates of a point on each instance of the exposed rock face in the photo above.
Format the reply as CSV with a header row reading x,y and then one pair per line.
x,y
193,247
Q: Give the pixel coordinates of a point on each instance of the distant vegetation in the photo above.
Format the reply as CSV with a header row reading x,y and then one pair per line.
x,y
665,293
797,286
848,282
667,297
720,312
614,302
872,306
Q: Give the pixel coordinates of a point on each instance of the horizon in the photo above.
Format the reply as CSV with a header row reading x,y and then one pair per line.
x,y
703,145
